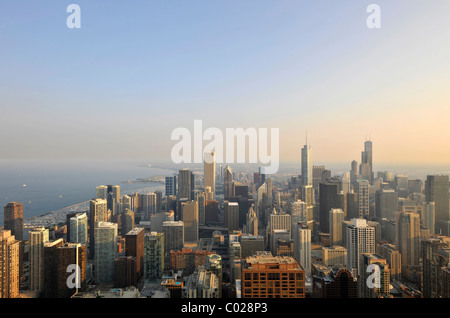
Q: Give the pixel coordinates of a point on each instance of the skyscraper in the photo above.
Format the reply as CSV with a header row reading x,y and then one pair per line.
x,y
436,190
13,219
407,232
171,185
328,199
134,246
148,205
336,217
228,182
105,251
186,184
302,247
360,239
113,196
231,215
362,190
9,265
307,172
190,220
366,166
37,238
210,171
97,213
78,229
386,204
173,235
153,255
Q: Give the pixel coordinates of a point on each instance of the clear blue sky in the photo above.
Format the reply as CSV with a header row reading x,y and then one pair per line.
x,y
136,70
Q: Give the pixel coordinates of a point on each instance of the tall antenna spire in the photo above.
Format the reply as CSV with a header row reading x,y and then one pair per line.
x,y
307,138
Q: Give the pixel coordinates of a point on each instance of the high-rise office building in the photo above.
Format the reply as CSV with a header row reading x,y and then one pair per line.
x,y
70,269
231,216
329,198
386,204
429,217
148,205
173,235
362,189
432,261
302,247
360,239
13,219
190,219
171,185
267,276
153,255
112,198
407,230
105,251
186,184
128,219
307,170
228,182
134,246
78,229
101,192
210,171
9,265
437,191
201,202
366,166
97,213
37,238
59,257
336,217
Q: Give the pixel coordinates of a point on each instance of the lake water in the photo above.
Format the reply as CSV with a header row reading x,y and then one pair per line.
x,y
45,186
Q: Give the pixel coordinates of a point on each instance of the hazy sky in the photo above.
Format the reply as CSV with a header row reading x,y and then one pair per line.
x,y
136,70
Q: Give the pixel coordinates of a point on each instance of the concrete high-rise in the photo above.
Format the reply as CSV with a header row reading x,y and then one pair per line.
x,y
228,182
98,212
360,239
134,246
105,251
9,265
78,229
336,217
173,235
13,219
302,247
186,184
329,198
190,219
37,238
153,255
407,232
362,189
437,191
386,204
210,171
171,185
231,216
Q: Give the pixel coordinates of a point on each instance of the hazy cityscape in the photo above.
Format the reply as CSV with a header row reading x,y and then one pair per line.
x,y
215,232
219,155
